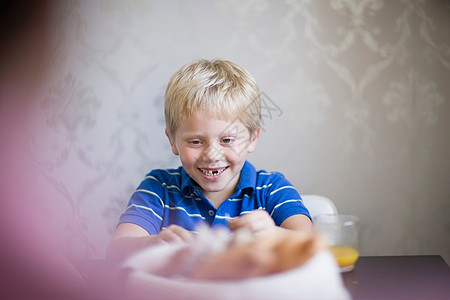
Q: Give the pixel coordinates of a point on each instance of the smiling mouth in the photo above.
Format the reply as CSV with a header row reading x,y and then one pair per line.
x,y
212,172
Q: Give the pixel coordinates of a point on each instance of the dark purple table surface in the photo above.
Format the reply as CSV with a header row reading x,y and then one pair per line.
x,y
424,277
399,277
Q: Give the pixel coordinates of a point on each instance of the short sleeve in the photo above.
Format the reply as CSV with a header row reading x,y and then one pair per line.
x,y
282,199
146,206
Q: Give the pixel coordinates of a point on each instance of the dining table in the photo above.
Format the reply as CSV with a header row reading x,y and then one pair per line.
x,y
412,277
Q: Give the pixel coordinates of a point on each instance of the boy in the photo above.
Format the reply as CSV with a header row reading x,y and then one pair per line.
x,y
213,119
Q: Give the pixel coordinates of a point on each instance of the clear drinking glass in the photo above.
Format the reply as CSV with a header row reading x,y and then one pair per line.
x,y
341,232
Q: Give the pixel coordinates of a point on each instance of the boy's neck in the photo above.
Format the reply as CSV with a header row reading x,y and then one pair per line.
x,y
216,198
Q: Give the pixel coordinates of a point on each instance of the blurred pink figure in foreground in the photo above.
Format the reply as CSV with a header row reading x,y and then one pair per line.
x,y
32,262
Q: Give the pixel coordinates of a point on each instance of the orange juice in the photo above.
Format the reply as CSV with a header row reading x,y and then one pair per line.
x,y
345,256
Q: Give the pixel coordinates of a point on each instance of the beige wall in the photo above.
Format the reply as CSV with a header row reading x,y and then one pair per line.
x,y
358,108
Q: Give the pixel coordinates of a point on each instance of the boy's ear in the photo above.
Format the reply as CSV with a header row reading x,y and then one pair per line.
x,y
172,144
254,140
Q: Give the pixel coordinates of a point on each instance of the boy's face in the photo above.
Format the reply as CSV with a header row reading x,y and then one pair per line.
x,y
212,152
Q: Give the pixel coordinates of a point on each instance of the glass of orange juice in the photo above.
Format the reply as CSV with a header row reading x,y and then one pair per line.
x,y
341,232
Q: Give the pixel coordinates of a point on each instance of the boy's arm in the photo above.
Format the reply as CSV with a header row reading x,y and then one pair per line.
x,y
129,238
297,222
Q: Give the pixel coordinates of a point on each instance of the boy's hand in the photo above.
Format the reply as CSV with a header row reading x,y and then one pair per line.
x,y
129,238
259,222
175,233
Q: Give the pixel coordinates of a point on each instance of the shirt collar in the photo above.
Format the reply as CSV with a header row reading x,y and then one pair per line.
x,y
186,181
248,177
246,181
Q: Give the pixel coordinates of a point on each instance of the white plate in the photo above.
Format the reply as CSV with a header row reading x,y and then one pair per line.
x,y
319,278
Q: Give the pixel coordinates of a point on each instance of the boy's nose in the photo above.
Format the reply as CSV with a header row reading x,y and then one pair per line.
x,y
212,153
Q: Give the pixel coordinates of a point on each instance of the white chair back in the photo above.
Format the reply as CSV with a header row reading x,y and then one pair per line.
x,y
318,205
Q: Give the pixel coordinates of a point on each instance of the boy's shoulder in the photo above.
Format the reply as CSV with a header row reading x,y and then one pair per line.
x,y
165,174
269,173
266,177
263,176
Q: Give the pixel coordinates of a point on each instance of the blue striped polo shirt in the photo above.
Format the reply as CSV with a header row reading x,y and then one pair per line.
x,y
170,196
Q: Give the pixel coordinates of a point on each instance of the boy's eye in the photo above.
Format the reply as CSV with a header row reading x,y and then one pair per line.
x,y
195,142
227,140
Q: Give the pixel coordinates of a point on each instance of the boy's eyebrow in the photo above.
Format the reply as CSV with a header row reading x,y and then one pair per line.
x,y
229,133
234,131
192,135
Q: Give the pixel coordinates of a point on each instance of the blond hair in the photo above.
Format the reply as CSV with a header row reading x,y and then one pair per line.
x,y
222,88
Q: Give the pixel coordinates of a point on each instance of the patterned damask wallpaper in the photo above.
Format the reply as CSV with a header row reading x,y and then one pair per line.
x,y
356,109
